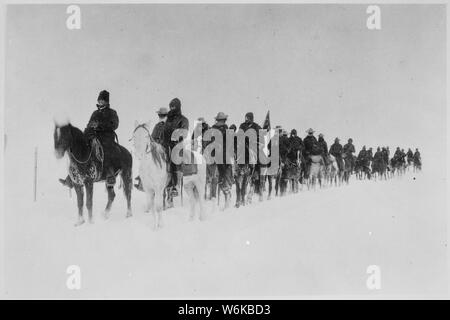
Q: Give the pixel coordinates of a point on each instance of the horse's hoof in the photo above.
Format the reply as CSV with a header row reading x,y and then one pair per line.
x,y
79,222
129,215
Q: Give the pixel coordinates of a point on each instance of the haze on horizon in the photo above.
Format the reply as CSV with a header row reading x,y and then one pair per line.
x,y
311,65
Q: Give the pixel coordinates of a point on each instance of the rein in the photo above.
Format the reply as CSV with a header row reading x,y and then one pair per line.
x,y
143,126
78,161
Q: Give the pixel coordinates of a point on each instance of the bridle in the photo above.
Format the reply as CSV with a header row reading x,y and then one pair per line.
x,y
73,156
144,126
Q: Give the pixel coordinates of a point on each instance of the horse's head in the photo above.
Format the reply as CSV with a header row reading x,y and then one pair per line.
x,y
141,138
62,136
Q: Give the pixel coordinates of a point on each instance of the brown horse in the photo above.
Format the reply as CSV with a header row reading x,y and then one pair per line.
x,y
88,165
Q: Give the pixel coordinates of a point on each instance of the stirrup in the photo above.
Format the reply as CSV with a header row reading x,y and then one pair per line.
x,y
66,183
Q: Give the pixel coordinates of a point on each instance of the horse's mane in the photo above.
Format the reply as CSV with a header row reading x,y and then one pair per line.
x,y
77,134
157,151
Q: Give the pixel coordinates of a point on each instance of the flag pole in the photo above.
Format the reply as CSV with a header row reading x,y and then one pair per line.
x,y
35,173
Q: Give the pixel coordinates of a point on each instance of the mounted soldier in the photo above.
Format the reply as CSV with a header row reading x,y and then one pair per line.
x,y
398,154
175,120
246,173
295,147
370,154
102,125
417,159
211,169
312,148
323,147
403,157
336,151
157,135
158,130
410,156
224,169
349,150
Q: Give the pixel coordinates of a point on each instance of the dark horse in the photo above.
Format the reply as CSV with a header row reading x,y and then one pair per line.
x,y
87,166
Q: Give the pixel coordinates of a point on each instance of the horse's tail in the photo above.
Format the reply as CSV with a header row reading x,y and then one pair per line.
x,y
126,172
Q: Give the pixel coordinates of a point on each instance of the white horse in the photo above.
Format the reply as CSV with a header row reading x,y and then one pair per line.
x,y
316,171
332,170
155,175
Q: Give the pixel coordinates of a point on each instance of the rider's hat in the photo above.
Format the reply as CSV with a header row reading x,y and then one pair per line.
x,y
320,135
221,116
103,95
310,131
249,115
337,139
162,111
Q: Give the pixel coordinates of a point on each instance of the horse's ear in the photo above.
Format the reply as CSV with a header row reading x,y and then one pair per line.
x,y
136,123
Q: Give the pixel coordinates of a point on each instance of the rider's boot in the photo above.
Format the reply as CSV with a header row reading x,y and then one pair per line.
x,y
67,182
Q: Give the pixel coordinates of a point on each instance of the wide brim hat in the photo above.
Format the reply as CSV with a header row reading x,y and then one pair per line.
x,y
310,131
162,111
221,116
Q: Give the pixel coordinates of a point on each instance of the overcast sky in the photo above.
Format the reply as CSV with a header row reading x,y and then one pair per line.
x,y
311,65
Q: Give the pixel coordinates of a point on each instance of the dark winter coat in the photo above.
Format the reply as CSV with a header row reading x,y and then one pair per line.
x,y
410,155
158,132
284,147
223,129
295,146
362,155
245,126
103,123
349,149
378,157
205,127
336,150
175,120
323,146
385,154
311,146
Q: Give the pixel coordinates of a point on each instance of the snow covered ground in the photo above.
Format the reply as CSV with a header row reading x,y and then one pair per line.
x,y
309,244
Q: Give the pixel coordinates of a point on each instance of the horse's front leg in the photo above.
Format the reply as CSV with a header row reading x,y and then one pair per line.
x,y
149,206
201,202
89,195
238,181
269,196
80,200
111,196
157,204
189,187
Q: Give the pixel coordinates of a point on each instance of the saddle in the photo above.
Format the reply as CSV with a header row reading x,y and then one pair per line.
x,y
316,159
97,149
